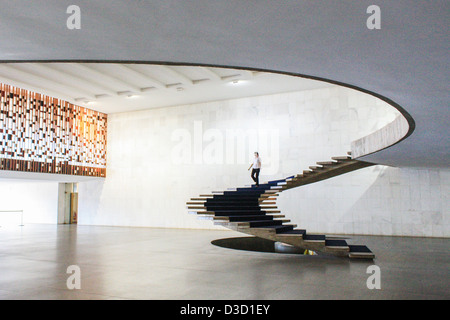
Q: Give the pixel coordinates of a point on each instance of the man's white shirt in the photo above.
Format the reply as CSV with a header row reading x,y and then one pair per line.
x,y
257,163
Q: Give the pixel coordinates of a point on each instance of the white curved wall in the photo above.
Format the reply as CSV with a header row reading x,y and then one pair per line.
x,y
378,200
159,159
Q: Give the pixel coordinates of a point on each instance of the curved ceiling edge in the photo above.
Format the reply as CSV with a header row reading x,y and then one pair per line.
x,y
404,113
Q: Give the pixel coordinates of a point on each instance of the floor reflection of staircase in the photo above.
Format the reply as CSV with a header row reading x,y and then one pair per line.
x,y
252,210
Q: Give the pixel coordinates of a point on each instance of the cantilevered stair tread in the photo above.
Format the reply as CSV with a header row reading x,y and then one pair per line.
x,y
262,223
326,163
314,237
294,232
335,243
237,213
343,158
249,218
276,181
360,252
359,249
278,229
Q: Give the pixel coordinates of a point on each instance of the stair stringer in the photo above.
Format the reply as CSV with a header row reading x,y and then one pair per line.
x,y
296,241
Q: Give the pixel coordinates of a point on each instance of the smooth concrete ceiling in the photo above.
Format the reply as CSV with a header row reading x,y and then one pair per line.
x,y
406,61
116,87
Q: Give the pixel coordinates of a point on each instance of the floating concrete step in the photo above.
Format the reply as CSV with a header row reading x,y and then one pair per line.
x,y
238,213
275,182
260,223
336,243
231,206
250,218
267,195
238,197
196,207
337,247
225,201
314,238
276,215
266,199
272,211
200,199
326,163
344,158
247,218
360,252
200,213
195,202
278,229
275,187
296,232
271,192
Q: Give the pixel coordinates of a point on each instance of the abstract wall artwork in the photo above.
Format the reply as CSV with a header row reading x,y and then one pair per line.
x,y
42,134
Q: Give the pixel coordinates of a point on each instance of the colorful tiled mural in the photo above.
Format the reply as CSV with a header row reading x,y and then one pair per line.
x,y
42,134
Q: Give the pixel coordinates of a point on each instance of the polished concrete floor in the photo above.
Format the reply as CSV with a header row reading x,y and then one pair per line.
x,y
146,263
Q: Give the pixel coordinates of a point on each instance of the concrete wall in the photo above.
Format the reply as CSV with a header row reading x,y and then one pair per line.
x,y
385,137
159,159
37,199
378,200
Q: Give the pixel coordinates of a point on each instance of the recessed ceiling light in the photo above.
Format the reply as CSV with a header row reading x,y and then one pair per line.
x,y
126,93
232,76
148,89
180,89
101,96
237,82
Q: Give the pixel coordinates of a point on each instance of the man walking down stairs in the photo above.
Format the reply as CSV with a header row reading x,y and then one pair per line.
x,y
256,168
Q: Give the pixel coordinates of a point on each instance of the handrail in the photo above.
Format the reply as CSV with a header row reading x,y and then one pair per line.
x,y
21,216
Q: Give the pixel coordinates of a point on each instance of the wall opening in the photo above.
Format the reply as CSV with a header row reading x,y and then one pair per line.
x,y
68,203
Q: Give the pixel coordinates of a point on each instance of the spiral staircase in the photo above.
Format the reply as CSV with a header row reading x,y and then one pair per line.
x,y
252,210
